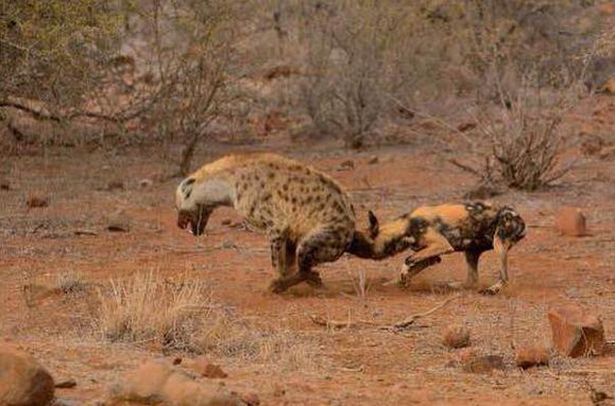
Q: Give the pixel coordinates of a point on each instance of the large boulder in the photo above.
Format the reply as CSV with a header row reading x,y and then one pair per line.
x,y
157,382
23,381
576,332
571,221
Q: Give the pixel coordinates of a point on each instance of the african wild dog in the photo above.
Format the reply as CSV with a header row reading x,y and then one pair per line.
x,y
432,231
306,215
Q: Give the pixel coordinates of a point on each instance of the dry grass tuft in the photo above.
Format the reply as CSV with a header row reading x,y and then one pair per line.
x,y
148,308
70,282
182,316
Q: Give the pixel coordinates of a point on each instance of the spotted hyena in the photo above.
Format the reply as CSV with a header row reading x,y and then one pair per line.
x,y
306,215
432,231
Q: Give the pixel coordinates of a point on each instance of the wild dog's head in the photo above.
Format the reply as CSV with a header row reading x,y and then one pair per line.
x,y
378,242
510,228
196,197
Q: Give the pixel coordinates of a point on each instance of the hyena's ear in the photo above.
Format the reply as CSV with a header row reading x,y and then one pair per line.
x,y
374,224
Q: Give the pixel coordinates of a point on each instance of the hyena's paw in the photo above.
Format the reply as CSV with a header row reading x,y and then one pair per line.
x,y
279,285
313,279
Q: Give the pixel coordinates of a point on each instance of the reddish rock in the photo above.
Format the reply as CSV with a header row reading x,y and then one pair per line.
x,y
576,332
156,382
205,368
37,201
457,337
571,221
145,183
530,356
483,364
251,399
115,185
23,381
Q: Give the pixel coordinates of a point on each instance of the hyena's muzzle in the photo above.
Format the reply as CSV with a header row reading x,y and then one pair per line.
x,y
194,220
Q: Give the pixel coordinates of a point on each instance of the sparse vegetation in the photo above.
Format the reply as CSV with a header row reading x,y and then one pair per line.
x,y
70,282
181,315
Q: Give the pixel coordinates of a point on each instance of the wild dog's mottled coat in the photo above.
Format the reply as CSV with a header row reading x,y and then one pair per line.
x,y
307,216
432,231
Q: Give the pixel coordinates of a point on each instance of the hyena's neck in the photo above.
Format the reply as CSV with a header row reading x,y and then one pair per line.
x,y
215,192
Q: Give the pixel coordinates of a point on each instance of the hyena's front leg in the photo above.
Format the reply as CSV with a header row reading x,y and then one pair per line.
x,y
283,259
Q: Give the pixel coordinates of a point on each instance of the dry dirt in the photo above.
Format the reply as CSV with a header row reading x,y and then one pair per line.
x,y
318,365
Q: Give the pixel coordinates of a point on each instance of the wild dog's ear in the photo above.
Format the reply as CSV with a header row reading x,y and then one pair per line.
x,y
374,224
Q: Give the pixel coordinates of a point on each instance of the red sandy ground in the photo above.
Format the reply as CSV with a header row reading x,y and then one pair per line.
x,y
357,365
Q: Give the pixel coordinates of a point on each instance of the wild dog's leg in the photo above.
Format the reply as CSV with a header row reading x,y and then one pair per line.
x,y
472,262
435,245
502,248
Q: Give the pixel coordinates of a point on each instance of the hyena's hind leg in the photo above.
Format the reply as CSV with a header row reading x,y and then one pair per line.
x,y
324,244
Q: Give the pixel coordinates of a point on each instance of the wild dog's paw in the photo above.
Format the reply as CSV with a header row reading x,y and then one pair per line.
x,y
494,289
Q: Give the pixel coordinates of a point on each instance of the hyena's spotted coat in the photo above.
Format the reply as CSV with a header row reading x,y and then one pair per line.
x,y
306,215
432,231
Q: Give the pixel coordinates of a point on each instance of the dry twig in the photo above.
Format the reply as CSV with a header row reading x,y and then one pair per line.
x,y
410,320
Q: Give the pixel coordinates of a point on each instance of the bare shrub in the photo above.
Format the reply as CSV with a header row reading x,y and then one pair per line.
x,y
348,51
523,140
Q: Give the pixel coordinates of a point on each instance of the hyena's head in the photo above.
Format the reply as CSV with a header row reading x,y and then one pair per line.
x,y
378,242
195,199
510,227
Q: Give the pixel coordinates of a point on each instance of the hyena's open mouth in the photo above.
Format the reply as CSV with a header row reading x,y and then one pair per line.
x,y
194,221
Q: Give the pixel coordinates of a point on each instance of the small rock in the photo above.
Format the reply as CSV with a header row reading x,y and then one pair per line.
x,y
571,221
465,355
608,86
530,356
373,160
226,222
576,332
145,183
466,126
118,222
5,185
23,381
177,361
346,165
483,364
205,368
37,201
457,337
607,152
227,244
251,399
66,384
115,185
279,391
